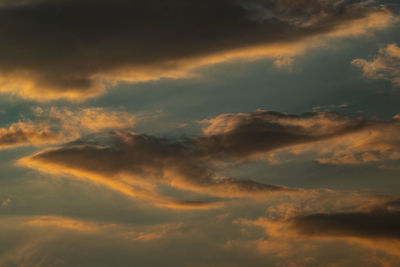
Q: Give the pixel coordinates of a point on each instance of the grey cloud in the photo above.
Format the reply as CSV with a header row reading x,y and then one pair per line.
x,y
380,222
191,163
60,46
240,135
151,158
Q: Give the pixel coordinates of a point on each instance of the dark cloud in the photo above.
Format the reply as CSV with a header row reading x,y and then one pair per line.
x,y
154,160
70,47
381,222
240,135
192,163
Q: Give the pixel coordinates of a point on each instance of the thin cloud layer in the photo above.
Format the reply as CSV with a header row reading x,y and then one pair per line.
x,y
76,49
385,65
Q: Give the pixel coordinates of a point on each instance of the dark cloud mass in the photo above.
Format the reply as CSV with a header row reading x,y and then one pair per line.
x,y
192,163
153,159
240,135
72,47
381,222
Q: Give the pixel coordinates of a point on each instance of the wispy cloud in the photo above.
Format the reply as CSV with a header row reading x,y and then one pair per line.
x,y
385,65
27,133
58,125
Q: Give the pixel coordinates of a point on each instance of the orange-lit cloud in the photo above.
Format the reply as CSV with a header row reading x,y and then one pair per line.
x,y
126,231
65,223
25,133
80,121
242,135
337,139
378,142
83,57
138,164
58,125
386,65
372,227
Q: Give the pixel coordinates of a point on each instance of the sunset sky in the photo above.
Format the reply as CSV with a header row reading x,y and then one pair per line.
x,y
200,133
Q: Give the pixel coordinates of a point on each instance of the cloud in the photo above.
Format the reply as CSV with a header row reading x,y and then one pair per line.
x,y
25,133
385,65
241,135
284,62
66,49
80,121
179,239
309,226
126,231
389,168
377,142
44,240
65,223
58,125
6,203
336,139
375,228
138,164
380,222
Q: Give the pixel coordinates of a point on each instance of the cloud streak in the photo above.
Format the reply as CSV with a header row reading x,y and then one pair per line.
x,y
380,222
138,164
75,53
329,220
59,125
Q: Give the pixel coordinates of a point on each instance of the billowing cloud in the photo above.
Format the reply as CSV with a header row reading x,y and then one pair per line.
x,y
386,65
67,49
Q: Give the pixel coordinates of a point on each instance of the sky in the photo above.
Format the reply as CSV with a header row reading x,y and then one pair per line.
x,y
199,133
